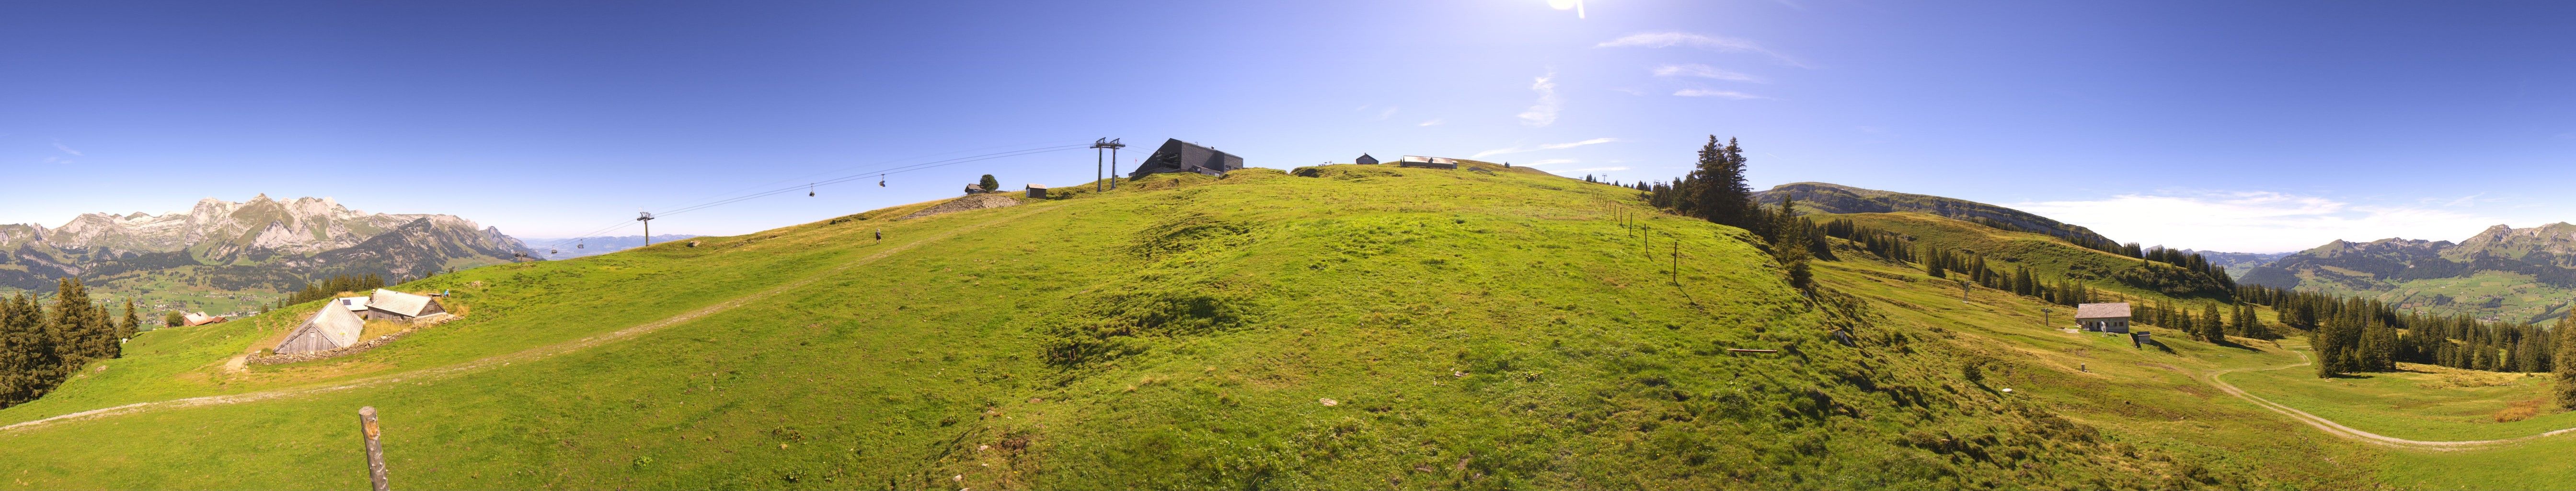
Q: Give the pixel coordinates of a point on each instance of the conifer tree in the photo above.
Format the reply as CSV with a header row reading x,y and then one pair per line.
x,y
132,324
25,352
1790,244
1717,190
2210,326
2565,366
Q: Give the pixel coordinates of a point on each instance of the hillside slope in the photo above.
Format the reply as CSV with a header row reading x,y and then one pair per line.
x,y
2045,256
1818,197
1364,327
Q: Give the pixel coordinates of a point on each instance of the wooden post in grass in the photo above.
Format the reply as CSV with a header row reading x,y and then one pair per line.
x,y
1677,261
375,447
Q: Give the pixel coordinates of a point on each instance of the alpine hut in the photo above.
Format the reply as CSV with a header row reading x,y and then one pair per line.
x,y
1037,191
336,326
1365,159
1177,156
389,305
2103,317
1428,162
975,189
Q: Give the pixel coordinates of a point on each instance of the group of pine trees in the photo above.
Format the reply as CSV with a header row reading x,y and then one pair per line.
x,y
42,344
2362,335
1715,190
327,288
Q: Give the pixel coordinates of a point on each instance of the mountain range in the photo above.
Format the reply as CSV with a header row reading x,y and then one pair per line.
x,y
259,244
2502,273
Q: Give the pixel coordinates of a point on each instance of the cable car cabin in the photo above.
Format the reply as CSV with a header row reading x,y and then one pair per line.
x,y
2103,317
1177,156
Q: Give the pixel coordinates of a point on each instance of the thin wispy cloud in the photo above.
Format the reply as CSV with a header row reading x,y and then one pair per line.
x,y
1712,43
67,149
2257,221
1388,113
1433,122
1701,71
1599,169
1728,94
1550,146
1549,162
1544,112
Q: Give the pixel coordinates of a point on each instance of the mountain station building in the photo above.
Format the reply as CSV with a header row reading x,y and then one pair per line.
x,y
1179,156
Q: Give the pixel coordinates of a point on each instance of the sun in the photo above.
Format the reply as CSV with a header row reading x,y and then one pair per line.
x,y
1575,5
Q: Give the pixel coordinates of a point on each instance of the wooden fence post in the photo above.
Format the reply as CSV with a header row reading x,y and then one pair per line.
x,y
375,446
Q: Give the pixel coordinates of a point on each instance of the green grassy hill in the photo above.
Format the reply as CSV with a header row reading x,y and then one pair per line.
x,y
2043,255
1338,327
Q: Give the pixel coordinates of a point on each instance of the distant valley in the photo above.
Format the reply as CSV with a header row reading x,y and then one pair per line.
x,y
568,248
224,256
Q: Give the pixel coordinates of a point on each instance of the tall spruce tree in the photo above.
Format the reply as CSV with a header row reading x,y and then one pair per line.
x,y
1717,189
22,349
132,323
1789,244
2210,324
2566,363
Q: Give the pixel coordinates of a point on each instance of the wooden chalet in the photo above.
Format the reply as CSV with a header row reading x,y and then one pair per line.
x,y
2103,317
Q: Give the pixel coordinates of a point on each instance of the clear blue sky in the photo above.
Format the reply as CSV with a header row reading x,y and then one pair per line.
x,y
2254,126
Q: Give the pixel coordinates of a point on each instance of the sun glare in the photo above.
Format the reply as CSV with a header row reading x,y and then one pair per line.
x,y
1575,5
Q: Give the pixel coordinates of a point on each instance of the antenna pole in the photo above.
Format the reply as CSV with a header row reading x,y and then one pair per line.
x,y
647,218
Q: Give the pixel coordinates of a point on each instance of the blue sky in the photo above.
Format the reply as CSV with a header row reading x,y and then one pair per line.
x,y
2251,126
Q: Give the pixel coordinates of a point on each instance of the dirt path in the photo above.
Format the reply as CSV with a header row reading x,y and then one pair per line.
x,y
2338,429
530,354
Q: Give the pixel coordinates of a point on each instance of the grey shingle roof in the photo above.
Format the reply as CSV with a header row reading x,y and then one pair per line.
x,y
408,305
2102,310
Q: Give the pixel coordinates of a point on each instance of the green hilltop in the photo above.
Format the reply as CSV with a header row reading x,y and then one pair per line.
x,y
1332,327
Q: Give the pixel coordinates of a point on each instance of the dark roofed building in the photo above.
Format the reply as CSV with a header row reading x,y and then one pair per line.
x,y
1365,159
975,189
1178,156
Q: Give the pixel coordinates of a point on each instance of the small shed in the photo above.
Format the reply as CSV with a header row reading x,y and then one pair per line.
x,y
335,327
1365,159
1428,162
975,189
2103,317
1037,191
389,305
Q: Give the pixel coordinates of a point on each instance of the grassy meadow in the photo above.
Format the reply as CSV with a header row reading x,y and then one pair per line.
x,y
1335,327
